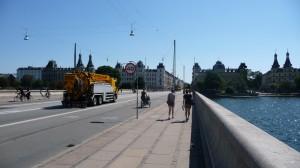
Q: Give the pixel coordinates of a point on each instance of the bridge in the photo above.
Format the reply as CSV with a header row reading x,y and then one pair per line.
x,y
214,138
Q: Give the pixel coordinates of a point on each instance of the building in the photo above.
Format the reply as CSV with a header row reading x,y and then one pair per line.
x,y
155,79
36,72
277,75
227,74
54,73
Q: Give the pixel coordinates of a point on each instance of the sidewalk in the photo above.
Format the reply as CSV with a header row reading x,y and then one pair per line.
x,y
150,141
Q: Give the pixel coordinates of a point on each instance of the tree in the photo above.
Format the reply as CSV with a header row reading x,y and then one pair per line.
x,y
240,83
141,82
212,81
27,81
17,84
297,82
60,85
254,80
112,72
126,85
200,86
273,86
52,85
38,84
3,82
286,87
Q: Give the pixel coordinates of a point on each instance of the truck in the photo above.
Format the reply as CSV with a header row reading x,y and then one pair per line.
x,y
88,89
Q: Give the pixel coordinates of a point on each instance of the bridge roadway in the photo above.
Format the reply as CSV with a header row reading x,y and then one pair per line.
x,y
42,134
110,136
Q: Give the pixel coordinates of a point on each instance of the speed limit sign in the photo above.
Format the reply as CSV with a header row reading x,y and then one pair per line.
x,y
130,68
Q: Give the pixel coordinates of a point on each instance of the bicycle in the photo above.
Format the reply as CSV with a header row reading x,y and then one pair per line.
x,y
19,97
46,95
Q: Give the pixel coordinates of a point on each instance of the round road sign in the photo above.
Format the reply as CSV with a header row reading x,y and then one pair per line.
x,y
130,68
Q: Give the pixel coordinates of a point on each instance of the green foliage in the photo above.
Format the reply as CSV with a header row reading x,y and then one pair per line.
x,y
59,85
200,86
27,81
38,84
273,87
112,72
286,87
141,82
52,85
16,84
4,82
255,80
297,82
212,81
229,90
126,85
177,88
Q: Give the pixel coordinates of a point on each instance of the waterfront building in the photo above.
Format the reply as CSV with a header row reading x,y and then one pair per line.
x,y
227,74
36,72
155,79
54,73
277,75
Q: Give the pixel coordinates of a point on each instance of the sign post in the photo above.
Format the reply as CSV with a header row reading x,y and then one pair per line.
x,y
131,68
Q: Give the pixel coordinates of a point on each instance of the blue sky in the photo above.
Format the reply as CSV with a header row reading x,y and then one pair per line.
x,y
231,31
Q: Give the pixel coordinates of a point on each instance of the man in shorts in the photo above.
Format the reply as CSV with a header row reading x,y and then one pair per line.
x,y
171,103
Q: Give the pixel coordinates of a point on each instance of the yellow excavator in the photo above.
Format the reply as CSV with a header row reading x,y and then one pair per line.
x,y
88,89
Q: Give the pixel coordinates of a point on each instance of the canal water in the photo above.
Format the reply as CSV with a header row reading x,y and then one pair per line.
x,y
278,116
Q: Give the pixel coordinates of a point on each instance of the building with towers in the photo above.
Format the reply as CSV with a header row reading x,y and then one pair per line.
x,y
228,74
52,72
278,75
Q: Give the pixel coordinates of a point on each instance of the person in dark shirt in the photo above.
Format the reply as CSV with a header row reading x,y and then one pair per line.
x,y
187,101
144,95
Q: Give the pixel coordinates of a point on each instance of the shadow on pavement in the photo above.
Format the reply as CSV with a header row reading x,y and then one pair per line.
x,y
53,107
196,149
162,120
174,122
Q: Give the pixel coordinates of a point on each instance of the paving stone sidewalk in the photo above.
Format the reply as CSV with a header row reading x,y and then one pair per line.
x,y
150,141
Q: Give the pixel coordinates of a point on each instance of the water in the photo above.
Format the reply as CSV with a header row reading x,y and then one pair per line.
x,y
278,116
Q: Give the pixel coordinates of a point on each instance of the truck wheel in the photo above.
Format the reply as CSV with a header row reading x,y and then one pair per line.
x,y
94,101
100,101
114,99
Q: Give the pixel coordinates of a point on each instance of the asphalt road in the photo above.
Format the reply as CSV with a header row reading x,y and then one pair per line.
x,y
31,132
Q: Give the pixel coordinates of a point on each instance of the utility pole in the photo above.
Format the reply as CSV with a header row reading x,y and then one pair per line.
x,y
183,75
174,64
75,57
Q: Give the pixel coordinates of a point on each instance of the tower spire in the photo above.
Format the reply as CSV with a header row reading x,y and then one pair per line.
x,y
275,63
287,63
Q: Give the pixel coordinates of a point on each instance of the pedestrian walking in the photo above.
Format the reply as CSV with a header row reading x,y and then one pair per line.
x,y
187,103
171,103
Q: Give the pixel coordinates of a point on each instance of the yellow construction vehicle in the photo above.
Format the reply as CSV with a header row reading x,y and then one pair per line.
x,y
83,89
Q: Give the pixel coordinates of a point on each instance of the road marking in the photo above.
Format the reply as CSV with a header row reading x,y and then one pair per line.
x,y
51,116
18,111
27,104
72,117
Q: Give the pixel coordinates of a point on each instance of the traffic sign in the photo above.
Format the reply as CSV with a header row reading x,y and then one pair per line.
x,y
130,68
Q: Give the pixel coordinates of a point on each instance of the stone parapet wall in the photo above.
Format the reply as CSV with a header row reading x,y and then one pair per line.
x,y
230,141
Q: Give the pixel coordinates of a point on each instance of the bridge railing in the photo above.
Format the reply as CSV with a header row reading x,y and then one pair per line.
x,y
230,141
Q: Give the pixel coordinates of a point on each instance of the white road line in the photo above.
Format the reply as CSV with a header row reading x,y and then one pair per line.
x,y
18,111
51,116
27,104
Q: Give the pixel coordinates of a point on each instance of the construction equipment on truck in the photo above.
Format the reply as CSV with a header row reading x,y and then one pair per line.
x,y
83,89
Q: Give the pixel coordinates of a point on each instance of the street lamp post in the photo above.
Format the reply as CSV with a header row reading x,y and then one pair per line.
x,y
137,80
